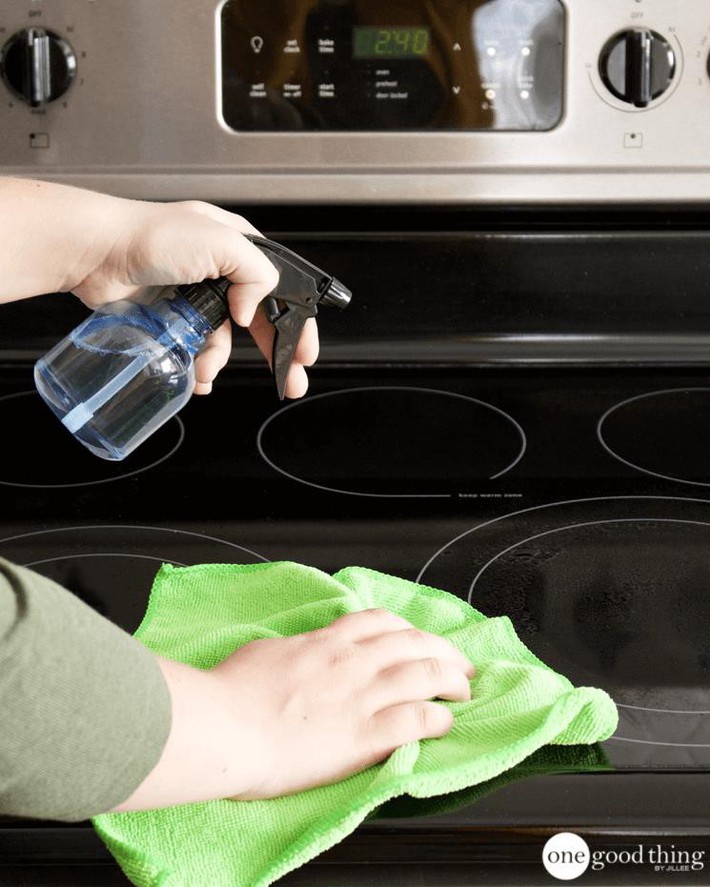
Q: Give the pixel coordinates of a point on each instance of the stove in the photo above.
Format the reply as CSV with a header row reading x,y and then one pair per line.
x,y
515,408
572,495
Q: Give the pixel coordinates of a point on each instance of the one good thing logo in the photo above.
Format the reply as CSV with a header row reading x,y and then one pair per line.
x,y
566,856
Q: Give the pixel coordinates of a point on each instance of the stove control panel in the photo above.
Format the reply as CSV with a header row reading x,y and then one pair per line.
x,y
396,66
360,101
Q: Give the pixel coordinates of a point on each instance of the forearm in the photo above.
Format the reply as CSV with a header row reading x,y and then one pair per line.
x,y
85,708
52,235
89,714
201,760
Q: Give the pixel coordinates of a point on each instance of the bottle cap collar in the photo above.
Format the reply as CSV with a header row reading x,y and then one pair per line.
x,y
209,297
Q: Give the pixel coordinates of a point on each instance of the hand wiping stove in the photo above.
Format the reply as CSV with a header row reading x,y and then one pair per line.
x,y
202,614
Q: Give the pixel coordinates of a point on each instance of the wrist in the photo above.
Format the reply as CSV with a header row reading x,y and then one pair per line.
x,y
201,759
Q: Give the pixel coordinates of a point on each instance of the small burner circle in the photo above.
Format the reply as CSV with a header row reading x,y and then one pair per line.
x,y
31,421
661,433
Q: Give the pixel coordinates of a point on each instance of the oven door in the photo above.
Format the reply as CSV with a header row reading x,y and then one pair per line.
x,y
514,408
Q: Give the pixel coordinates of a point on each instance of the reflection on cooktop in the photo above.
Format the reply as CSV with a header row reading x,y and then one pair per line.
x,y
67,463
112,568
610,592
547,760
391,441
662,433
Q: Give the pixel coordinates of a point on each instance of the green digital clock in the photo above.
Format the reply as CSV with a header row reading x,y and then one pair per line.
x,y
390,42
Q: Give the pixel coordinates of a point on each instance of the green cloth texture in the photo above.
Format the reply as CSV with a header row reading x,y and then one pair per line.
x,y
201,614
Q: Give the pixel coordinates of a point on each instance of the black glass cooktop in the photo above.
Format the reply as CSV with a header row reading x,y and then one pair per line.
x,y
575,501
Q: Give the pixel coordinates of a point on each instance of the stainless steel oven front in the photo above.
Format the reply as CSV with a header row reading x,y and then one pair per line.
x,y
360,100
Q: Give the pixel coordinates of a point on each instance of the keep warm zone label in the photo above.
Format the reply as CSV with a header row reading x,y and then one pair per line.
x,y
567,856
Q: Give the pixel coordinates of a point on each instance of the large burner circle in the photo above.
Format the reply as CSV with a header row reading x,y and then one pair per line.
x,y
112,567
662,433
391,441
31,426
613,593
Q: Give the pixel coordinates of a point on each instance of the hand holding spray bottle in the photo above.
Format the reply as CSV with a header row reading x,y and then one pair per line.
x,y
128,368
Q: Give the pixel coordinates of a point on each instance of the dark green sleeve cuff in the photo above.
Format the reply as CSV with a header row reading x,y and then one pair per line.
x,y
85,709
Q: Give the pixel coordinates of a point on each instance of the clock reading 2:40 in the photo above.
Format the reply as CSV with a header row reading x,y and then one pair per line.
x,y
390,43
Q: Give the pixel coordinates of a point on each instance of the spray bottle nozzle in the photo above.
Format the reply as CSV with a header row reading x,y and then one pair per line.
x,y
302,287
336,295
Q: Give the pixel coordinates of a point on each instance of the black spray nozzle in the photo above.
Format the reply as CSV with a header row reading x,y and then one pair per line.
x,y
302,287
337,295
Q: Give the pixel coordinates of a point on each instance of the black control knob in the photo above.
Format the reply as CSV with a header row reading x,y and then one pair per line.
x,y
38,66
637,66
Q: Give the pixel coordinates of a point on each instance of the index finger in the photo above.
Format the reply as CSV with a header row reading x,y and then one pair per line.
x,y
253,277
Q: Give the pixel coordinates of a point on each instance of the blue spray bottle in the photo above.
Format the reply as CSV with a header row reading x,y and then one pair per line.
x,y
128,368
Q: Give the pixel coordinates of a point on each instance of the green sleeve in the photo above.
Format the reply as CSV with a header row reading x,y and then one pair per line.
x,y
84,709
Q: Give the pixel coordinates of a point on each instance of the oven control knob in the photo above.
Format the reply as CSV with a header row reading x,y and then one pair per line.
x,y
637,66
38,66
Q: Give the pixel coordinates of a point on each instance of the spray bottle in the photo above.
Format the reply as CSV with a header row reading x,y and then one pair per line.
x,y
128,368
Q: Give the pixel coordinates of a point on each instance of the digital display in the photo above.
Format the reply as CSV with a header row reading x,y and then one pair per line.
x,y
390,43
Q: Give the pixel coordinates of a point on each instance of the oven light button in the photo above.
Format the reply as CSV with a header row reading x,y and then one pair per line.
x,y
637,66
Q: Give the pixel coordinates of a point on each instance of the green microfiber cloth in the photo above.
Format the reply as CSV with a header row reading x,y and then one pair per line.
x,y
201,614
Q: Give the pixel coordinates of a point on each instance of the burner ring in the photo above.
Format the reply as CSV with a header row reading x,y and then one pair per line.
x,y
652,724
631,464
100,528
561,529
112,567
77,557
80,449
494,410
